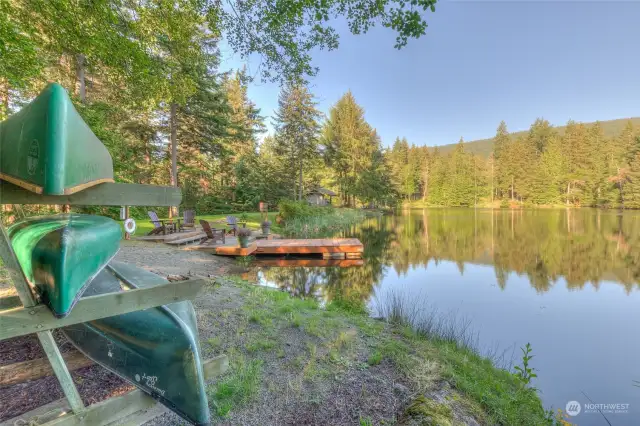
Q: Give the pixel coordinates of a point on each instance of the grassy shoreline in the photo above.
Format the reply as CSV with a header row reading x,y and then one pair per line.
x,y
292,349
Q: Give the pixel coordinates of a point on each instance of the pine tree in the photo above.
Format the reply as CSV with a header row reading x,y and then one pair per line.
x,y
349,145
501,143
297,129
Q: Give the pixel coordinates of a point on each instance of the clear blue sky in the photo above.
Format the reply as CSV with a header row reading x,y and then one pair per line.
x,y
481,62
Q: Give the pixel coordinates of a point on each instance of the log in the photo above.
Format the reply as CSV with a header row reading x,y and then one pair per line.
x,y
38,368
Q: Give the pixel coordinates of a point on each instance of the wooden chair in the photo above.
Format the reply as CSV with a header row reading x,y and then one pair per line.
x,y
233,222
188,220
158,225
213,234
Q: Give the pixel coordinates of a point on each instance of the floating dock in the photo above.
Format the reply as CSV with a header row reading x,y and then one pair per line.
x,y
331,248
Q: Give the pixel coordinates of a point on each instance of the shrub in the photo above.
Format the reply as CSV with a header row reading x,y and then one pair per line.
x,y
290,209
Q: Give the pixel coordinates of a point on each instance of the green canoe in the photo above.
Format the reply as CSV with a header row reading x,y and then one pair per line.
x,y
157,349
48,149
61,254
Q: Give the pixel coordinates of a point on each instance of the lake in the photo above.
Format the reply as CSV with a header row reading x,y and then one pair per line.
x,y
565,281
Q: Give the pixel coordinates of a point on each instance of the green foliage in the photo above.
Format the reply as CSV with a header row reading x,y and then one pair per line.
x,y
297,127
237,388
297,209
525,373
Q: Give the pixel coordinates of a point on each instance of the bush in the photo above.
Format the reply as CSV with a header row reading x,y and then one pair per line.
x,y
298,209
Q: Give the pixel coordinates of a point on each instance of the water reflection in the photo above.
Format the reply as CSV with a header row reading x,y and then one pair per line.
x,y
583,246
563,280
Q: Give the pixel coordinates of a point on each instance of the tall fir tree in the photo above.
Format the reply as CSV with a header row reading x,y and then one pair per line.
x,y
297,127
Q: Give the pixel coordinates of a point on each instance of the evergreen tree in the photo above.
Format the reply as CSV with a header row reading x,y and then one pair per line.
x,y
349,145
297,129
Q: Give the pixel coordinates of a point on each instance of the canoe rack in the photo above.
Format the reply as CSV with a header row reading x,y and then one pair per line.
x,y
24,314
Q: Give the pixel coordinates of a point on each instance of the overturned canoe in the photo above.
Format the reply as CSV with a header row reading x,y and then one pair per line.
x,y
61,254
157,349
47,148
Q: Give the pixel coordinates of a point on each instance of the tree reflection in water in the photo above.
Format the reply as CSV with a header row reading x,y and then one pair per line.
x,y
585,246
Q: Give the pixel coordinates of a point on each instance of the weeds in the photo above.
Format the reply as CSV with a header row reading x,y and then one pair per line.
x,y
525,373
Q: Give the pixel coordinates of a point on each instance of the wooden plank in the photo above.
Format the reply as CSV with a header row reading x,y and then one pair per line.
x,y
312,246
61,371
308,263
236,250
105,194
40,415
38,368
133,408
21,321
10,302
15,272
189,239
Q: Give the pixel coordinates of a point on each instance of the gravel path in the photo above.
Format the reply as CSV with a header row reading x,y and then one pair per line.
x,y
167,260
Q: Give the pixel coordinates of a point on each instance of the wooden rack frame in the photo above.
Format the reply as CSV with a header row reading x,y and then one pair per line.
x,y
24,315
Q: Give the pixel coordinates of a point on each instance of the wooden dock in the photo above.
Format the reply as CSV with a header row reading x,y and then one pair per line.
x,y
307,263
333,248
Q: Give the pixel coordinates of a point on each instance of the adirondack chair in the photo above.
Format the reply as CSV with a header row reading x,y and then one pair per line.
x,y
188,220
233,222
213,234
158,225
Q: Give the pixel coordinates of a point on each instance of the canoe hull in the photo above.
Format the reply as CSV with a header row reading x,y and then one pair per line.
x,y
61,254
157,350
47,148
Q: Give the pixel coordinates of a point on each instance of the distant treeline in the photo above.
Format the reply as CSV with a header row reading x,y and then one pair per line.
x,y
579,167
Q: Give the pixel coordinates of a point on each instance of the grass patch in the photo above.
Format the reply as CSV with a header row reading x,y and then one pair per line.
x,y
427,411
426,346
327,343
237,388
260,344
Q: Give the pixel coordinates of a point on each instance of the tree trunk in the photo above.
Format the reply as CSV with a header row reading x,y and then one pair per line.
x,y
568,190
4,99
300,181
512,189
174,148
81,88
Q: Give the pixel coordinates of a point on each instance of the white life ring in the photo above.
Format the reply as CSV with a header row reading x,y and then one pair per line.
x,y
130,226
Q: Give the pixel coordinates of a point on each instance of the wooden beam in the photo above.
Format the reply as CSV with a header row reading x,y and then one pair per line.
x,y
132,408
21,321
38,368
61,371
105,194
15,272
10,302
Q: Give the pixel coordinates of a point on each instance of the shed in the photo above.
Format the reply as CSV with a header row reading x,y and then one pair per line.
x,y
320,196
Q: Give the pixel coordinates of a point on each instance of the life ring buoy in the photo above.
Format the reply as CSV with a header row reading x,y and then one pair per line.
x,y
130,226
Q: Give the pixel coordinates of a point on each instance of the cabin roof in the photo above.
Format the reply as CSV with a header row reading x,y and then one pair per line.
x,y
323,191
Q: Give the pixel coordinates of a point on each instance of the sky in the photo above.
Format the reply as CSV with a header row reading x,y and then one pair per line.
x,y
481,62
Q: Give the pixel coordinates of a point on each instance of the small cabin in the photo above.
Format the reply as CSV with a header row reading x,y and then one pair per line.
x,y
320,197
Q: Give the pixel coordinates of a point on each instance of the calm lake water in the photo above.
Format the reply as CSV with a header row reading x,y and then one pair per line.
x,y
564,280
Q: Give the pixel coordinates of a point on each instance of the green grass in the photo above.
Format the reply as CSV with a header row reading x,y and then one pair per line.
x,y
144,226
237,388
341,336
324,225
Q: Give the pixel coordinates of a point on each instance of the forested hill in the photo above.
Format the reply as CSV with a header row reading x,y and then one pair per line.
x,y
484,147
